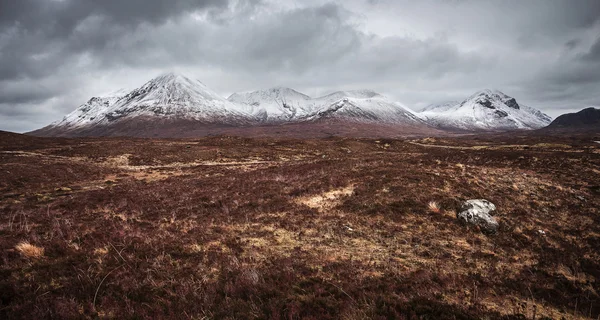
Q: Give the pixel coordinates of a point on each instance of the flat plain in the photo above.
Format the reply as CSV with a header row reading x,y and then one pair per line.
x,y
283,228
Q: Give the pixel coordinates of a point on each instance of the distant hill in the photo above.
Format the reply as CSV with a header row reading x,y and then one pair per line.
x,y
13,141
586,119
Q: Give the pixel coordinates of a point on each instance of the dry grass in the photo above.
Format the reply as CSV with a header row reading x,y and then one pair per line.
x,y
240,228
327,199
434,207
29,250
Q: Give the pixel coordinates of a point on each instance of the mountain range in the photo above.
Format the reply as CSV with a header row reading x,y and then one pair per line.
x,y
172,105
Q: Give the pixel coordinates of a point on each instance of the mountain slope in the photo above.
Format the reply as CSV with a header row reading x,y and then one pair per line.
x,y
486,110
89,112
440,107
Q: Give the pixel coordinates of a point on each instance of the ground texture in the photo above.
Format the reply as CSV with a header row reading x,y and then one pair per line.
x,y
271,228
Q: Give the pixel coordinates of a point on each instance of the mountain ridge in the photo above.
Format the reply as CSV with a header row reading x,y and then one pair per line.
x,y
174,100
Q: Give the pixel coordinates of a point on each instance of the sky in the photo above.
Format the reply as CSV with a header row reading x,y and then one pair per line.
x,y
56,54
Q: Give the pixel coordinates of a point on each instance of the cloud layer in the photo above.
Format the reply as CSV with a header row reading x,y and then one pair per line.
x,y
55,54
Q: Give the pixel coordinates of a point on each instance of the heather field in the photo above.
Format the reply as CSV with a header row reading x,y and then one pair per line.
x,y
282,228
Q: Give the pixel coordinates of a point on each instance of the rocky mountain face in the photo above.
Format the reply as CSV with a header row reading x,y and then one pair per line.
x,y
486,110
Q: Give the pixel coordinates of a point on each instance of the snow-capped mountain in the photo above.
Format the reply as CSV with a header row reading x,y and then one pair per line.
x,y
485,110
176,97
286,104
168,97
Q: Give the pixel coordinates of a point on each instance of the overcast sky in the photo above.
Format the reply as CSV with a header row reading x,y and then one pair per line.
x,y
56,54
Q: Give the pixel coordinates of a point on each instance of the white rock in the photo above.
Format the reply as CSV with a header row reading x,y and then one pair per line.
x,y
479,212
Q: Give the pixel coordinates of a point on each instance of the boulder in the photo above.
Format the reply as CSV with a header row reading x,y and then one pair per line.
x,y
479,212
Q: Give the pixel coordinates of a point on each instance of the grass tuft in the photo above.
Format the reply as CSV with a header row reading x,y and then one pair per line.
x,y
434,207
29,250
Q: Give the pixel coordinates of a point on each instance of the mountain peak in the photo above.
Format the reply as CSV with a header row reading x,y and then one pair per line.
x,y
173,77
489,93
487,98
284,90
358,94
271,94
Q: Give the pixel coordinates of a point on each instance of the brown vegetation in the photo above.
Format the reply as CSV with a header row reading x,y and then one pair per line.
x,y
30,251
298,229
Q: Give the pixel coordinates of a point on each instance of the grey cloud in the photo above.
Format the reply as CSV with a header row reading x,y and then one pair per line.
x,y
294,41
42,35
594,54
54,55
572,44
25,94
61,17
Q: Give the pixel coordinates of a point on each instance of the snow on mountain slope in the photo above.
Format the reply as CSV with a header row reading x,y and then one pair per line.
x,y
440,107
357,94
91,110
486,110
275,104
356,105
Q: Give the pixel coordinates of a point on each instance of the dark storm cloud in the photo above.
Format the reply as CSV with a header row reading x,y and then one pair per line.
x,y
59,18
55,54
321,43
294,40
45,34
